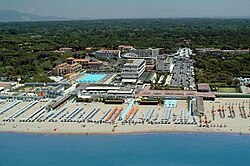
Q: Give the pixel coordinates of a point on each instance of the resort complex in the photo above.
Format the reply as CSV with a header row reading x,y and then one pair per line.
x,y
127,90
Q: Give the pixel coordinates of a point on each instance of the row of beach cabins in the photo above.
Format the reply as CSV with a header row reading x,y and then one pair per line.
x,y
117,113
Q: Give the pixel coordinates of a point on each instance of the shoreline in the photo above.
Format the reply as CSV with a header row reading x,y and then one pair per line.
x,y
125,133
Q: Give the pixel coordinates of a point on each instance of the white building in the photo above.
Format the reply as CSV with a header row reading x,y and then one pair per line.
x,y
184,53
133,69
164,63
145,53
108,54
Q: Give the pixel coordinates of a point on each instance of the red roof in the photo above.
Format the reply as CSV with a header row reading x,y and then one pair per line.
x,y
81,60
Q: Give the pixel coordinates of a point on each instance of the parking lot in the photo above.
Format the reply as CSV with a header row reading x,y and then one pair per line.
x,y
183,74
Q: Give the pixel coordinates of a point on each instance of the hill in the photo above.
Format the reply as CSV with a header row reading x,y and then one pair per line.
x,y
15,16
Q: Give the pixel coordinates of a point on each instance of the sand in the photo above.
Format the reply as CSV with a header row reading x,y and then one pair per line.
x,y
239,125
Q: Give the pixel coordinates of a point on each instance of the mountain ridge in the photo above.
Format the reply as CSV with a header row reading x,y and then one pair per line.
x,y
16,16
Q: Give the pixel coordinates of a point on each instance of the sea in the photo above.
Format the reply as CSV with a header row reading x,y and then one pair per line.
x,y
124,150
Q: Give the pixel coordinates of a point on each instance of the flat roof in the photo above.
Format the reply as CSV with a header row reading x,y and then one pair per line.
x,y
66,48
62,65
135,62
129,80
4,85
60,102
102,88
108,50
120,92
74,64
203,86
200,104
148,92
81,60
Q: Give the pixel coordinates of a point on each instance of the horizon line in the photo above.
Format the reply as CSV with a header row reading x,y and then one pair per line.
x,y
123,18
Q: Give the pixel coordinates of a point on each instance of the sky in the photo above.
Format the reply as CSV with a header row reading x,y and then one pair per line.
x,y
102,9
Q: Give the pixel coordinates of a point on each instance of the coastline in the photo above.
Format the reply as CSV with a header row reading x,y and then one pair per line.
x,y
219,132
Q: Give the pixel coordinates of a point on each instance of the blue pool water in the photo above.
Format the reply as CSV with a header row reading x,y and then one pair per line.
x,y
170,103
125,150
92,78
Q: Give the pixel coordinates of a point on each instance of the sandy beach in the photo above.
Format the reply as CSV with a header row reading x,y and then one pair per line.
x,y
217,119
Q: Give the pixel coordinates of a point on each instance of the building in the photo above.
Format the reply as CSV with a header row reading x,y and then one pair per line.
x,y
149,55
133,69
90,49
7,85
108,54
83,62
217,52
164,63
244,81
94,64
198,106
70,60
184,53
74,67
203,87
64,69
124,48
86,63
105,91
146,53
61,69
66,49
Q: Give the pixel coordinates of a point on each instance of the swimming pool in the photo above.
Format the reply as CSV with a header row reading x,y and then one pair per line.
x,y
170,103
92,78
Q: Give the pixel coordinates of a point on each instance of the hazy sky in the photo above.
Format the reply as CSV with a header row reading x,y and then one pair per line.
x,y
130,8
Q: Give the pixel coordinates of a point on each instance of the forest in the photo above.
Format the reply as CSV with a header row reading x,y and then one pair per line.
x,y
26,48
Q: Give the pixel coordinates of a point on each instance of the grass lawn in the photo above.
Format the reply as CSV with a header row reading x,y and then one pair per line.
x,y
227,90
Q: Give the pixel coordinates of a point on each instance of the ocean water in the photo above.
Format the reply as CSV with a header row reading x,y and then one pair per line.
x,y
125,150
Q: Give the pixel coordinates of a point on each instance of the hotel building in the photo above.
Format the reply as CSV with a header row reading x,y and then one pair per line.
x,y
108,54
133,69
164,63
64,69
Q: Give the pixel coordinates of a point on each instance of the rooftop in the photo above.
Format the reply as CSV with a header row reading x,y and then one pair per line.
x,y
103,51
65,48
62,65
74,64
81,60
204,87
134,62
125,46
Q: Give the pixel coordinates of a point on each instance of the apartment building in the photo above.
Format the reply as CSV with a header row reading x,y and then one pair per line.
x,y
64,69
146,53
86,63
133,69
66,49
108,54
164,63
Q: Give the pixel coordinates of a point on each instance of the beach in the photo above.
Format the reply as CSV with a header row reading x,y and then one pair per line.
x,y
217,118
